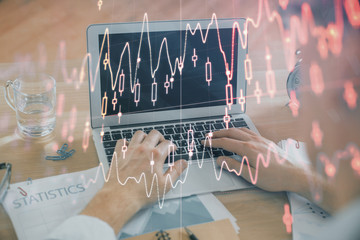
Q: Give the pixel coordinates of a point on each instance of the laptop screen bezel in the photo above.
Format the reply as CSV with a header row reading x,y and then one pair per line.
x,y
93,32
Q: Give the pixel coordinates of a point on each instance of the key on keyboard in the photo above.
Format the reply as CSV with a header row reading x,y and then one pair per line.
x,y
127,135
106,137
111,144
218,126
148,130
116,135
168,131
109,151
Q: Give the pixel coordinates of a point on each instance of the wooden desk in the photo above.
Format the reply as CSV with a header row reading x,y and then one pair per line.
x,y
259,213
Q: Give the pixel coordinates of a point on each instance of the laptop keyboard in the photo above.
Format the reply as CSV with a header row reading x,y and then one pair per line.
x,y
178,134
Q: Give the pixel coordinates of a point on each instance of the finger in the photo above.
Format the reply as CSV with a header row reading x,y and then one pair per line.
x,y
234,133
138,137
175,171
248,131
120,144
228,144
236,146
153,138
165,148
121,151
247,172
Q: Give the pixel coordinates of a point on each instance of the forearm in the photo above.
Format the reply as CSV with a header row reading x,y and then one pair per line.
x,y
309,184
114,209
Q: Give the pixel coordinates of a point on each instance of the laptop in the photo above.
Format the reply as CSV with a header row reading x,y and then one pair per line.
x,y
182,78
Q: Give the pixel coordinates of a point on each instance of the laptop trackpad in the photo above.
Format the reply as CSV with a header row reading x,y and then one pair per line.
x,y
202,180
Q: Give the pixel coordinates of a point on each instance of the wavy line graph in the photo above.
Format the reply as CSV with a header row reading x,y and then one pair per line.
x,y
261,159
330,166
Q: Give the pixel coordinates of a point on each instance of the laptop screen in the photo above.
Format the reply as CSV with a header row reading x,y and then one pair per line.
x,y
144,76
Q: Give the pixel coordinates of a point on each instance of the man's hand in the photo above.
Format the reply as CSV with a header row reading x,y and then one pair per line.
x,y
279,175
144,159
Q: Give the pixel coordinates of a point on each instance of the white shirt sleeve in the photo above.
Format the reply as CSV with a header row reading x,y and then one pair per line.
x,y
83,227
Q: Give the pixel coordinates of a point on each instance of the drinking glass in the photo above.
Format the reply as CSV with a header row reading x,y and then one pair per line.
x,y
33,100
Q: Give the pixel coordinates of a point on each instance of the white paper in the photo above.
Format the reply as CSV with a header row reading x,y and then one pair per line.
x,y
48,202
205,207
308,218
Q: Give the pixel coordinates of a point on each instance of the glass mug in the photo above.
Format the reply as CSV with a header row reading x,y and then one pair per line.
x,y
34,99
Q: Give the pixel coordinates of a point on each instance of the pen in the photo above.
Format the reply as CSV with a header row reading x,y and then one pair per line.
x,y
191,235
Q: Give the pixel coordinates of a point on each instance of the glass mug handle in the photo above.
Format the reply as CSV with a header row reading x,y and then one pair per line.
x,y
9,100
